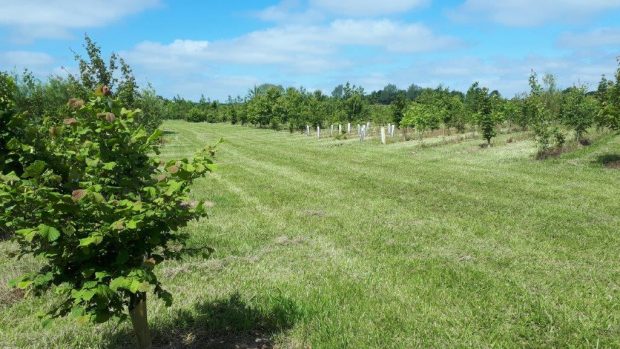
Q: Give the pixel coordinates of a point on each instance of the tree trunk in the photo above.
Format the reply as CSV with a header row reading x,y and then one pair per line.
x,y
137,311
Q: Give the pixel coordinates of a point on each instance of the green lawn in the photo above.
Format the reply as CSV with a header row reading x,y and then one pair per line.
x,y
339,244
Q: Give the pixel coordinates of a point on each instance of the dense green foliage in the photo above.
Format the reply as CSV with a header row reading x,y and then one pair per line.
x,y
578,110
83,192
422,117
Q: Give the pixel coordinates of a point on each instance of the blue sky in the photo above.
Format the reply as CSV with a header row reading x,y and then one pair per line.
x,y
221,48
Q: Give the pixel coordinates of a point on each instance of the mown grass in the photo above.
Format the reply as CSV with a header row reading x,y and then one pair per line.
x,y
339,244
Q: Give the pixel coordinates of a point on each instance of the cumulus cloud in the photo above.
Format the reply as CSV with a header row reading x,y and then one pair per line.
x,y
524,13
56,18
287,53
39,63
596,38
293,47
21,59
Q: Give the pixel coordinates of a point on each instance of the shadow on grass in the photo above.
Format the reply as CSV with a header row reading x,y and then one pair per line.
x,y
168,132
229,323
609,160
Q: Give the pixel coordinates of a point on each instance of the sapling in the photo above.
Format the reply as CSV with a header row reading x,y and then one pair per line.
x,y
88,195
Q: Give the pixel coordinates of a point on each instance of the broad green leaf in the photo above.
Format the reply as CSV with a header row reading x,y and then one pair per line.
x,y
92,162
154,136
91,240
28,234
100,275
53,234
118,225
109,166
138,286
34,170
90,284
120,283
131,224
10,178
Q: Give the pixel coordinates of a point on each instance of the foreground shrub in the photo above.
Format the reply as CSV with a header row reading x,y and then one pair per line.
x,y
86,194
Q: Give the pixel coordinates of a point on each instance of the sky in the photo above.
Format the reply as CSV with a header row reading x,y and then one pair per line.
x,y
222,48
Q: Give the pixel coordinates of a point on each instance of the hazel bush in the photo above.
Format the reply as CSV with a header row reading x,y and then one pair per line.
x,y
87,193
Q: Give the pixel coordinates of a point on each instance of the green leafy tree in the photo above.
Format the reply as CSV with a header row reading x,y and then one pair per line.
x,y
233,110
514,112
399,105
456,109
152,109
196,114
116,74
94,70
387,95
489,114
84,192
353,104
578,110
538,115
266,107
421,116
338,92
474,98
38,98
293,103
413,92
486,121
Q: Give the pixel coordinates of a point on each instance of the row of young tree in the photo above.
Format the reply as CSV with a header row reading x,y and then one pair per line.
x,y
551,113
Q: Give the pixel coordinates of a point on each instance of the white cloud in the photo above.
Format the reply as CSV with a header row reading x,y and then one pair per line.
x,y
523,13
286,53
390,35
596,38
39,63
56,18
366,7
22,59
292,47
288,11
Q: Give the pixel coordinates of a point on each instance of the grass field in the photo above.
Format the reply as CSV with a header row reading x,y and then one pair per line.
x,y
338,244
